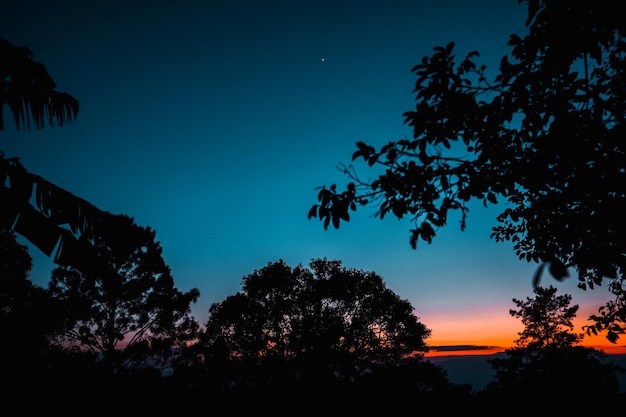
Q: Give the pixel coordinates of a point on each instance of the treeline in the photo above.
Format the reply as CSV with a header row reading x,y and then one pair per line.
x,y
307,336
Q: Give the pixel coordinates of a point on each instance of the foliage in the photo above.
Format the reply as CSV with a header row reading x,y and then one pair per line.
x,y
14,269
30,92
27,317
547,362
547,319
131,302
544,136
324,326
57,222
612,316
558,377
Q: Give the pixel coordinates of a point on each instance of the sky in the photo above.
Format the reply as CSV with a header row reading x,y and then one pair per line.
x,y
213,122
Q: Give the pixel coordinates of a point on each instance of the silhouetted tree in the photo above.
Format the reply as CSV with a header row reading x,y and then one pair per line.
x,y
129,311
547,319
548,363
27,316
72,232
323,328
545,135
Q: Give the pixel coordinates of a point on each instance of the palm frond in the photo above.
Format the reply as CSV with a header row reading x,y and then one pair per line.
x,y
30,92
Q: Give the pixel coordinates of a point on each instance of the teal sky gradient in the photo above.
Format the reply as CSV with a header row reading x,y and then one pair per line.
x,y
214,121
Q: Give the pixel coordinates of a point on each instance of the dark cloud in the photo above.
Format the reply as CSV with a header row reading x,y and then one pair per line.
x,y
455,348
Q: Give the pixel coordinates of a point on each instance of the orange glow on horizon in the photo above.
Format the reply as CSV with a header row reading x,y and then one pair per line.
x,y
481,333
463,350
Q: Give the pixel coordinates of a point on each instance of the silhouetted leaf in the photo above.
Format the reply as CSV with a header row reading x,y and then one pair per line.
x,y
537,275
558,270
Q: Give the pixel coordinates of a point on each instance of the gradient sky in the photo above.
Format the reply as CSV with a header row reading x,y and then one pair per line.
x,y
214,121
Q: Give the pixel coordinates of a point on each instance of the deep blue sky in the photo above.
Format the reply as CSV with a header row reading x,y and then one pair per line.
x,y
213,122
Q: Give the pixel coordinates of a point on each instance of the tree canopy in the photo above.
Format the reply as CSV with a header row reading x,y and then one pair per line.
x,y
130,302
547,319
326,323
543,137
548,362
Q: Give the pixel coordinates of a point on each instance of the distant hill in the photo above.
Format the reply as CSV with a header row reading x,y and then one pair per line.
x,y
471,369
476,371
